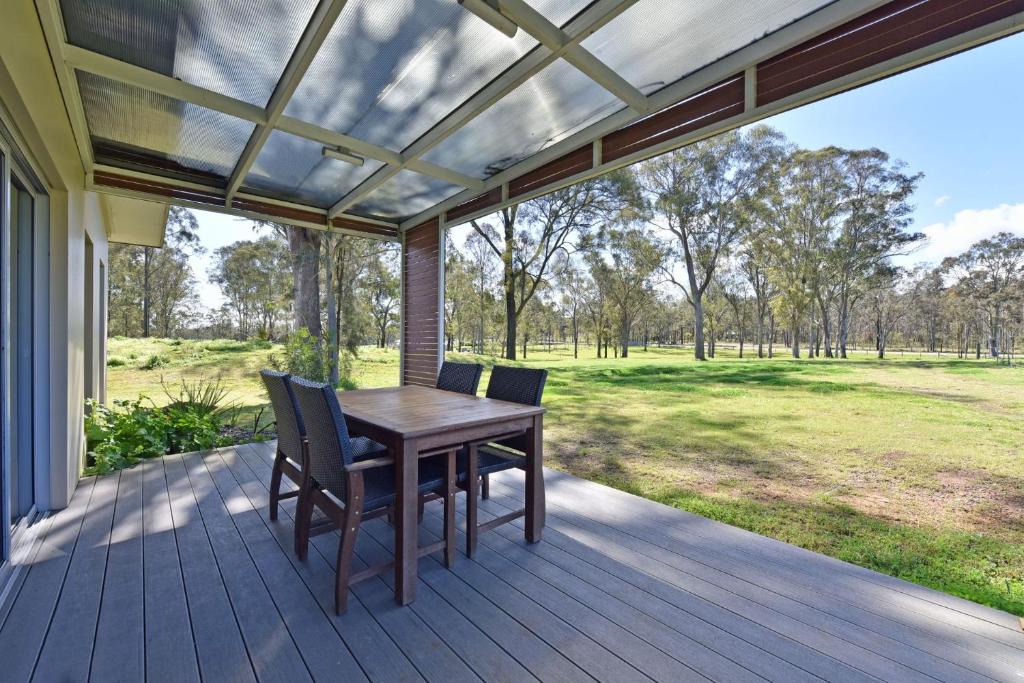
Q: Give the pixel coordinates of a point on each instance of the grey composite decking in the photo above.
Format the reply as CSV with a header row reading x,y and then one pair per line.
x,y
172,571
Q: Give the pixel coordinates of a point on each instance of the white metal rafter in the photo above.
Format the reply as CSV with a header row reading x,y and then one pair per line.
x,y
320,24
585,24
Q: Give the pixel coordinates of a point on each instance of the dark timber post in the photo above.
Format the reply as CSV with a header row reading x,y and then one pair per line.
x,y
422,302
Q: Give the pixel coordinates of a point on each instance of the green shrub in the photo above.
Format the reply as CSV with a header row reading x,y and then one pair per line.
x,y
304,356
153,362
119,437
115,362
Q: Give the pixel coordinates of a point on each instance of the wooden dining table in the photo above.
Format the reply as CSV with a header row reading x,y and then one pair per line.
x,y
413,420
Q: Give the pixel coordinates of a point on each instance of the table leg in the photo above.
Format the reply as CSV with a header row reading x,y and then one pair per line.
x,y
535,480
406,532
472,484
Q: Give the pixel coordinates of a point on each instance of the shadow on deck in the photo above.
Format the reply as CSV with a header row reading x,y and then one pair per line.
x,y
173,571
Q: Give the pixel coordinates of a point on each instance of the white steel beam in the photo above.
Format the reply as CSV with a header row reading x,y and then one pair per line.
x,y
979,36
53,29
101,65
320,24
557,40
584,25
818,22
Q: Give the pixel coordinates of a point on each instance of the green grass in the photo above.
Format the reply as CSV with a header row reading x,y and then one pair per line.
x,y
913,466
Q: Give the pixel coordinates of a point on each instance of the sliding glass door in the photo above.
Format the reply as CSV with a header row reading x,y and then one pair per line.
x,y
21,252
23,270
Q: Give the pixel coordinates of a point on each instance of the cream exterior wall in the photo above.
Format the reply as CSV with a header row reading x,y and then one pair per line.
x,y
34,107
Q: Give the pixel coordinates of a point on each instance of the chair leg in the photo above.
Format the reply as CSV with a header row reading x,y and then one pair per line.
x,y
347,544
275,486
485,486
449,510
472,484
303,522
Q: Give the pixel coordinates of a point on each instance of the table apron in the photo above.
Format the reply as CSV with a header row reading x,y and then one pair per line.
x,y
449,437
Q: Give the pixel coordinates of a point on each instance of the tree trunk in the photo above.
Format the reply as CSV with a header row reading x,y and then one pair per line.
x,y
145,290
510,320
698,327
575,338
304,245
795,337
624,335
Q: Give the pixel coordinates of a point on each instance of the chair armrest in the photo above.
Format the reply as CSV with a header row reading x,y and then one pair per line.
x,y
370,464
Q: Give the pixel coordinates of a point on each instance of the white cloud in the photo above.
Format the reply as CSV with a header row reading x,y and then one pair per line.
x,y
941,201
967,227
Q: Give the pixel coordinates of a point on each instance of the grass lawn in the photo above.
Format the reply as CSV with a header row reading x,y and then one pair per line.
x,y
913,466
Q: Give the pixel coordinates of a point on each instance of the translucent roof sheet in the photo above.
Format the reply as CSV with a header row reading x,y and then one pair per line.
x,y
386,73
648,47
192,136
398,68
549,107
405,194
293,168
235,47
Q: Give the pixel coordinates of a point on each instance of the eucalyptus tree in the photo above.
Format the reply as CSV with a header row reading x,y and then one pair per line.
x,y
754,264
991,273
255,281
699,194
877,211
806,199
384,296
625,270
528,238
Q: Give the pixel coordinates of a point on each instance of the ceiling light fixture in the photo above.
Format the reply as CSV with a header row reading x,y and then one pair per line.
x,y
492,15
342,154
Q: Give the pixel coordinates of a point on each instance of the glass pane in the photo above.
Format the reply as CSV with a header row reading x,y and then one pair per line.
x,y
295,169
161,131
648,47
551,106
396,69
235,47
21,254
406,194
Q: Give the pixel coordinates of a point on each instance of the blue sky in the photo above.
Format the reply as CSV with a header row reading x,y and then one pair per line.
x,y
960,121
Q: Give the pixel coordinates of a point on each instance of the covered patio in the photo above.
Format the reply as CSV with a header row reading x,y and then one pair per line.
x,y
397,121
174,571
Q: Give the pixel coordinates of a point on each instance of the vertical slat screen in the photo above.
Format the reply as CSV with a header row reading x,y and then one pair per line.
x,y
421,304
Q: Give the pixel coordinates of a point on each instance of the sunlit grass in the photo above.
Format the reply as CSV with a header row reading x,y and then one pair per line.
x,y
913,465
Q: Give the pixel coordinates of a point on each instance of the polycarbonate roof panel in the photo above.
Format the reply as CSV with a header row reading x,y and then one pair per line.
x,y
551,106
655,43
395,69
295,169
235,47
197,138
405,194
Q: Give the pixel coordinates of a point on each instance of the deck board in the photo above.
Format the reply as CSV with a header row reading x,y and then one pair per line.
x,y
174,571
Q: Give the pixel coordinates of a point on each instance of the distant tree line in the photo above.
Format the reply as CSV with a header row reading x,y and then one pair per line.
x,y
341,290
743,237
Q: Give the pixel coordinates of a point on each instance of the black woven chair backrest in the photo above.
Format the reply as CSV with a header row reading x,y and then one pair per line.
x,y
290,429
518,385
461,377
330,448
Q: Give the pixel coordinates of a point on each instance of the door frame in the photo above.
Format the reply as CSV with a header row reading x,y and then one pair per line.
x,y
17,542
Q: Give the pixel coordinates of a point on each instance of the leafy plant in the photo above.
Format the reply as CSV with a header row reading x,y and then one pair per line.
x,y
304,356
130,431
153,362
206,396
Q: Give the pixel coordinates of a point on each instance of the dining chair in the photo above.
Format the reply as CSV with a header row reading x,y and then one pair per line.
x,y
348,491
476,461
463,378
292,456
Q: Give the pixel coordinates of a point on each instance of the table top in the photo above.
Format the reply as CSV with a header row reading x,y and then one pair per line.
x,y
414,411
